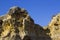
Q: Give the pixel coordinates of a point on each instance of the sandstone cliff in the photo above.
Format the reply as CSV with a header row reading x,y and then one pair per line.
x,y
18,25
54,27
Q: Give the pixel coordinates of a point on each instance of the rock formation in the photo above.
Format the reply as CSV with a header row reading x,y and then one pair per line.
x,y
18,25
54,27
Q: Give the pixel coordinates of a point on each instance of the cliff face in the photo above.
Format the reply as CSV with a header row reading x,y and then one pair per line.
x,y
54,27
18,25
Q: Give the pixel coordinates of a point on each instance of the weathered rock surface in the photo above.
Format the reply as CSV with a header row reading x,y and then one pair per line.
x,y
18,25
54,27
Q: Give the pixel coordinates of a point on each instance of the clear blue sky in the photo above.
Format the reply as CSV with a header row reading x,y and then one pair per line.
x,y
40,10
